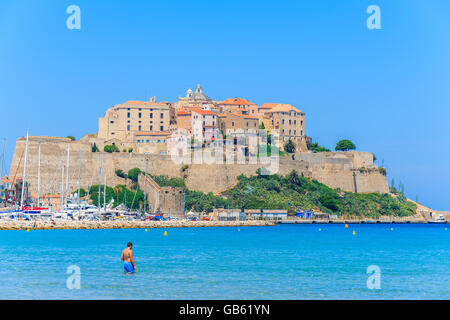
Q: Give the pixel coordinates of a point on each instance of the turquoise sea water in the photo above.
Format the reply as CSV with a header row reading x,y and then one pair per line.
x,y
283,262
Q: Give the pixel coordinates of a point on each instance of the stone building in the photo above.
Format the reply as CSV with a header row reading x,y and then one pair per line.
x,y
167,201
197,98
287,121
124,120
204,124
237,105
237,121
151,142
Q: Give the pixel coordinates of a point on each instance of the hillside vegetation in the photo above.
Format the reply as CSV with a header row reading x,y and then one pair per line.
x,y
291,192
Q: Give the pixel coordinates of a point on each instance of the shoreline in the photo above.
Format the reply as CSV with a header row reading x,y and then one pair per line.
x,y
83,225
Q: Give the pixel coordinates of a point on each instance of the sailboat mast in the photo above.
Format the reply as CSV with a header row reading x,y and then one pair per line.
x,y
145,186
3,157
62,186
99,181
104,195
39,175
79,176
67,173
24,172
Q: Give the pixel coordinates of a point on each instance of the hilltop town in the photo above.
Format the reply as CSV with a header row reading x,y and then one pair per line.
x,y
147,127
140,135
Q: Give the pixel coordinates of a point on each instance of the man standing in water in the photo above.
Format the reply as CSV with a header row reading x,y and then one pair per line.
x,y
127,258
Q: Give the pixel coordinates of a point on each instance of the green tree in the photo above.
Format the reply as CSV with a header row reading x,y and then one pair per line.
x,y
71,138
94,148
345,145
120,173
133,174
261,126
289,146
130,150
111,148
315,147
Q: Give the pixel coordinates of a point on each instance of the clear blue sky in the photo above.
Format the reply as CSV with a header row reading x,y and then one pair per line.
x,y
387,90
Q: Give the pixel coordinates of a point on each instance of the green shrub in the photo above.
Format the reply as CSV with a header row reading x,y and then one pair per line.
x,y
111,148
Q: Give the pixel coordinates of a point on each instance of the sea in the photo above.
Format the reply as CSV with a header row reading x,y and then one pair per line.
x,y
284,262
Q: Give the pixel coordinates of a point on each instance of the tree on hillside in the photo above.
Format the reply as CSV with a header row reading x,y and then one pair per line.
x,y
94,148
133,174
315,147
121,174
111,148
71,138
289,146
345,145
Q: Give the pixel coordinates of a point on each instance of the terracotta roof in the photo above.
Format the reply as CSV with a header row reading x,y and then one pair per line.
x,y
243,116
268,105
283,108
134,102
204,112
237,101
183,113
147,133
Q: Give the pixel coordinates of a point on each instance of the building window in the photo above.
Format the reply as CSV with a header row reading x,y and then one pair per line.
x,y
151,128
140,127
161,128
151,115
128,115
140,115
282,121
295,121
128,127
232,124
162,115
295,132
111,121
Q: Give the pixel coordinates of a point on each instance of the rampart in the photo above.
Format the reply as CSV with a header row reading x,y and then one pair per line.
x,y
349,171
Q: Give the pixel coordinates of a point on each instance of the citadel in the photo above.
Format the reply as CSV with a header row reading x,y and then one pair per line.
x,y
136,134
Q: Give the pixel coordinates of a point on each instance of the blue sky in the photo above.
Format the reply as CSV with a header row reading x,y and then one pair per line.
x,y
387,90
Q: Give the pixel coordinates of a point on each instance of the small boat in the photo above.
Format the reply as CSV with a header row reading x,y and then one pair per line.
x,y
438,220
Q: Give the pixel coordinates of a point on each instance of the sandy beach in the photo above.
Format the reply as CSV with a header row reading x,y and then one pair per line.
x,y
46,225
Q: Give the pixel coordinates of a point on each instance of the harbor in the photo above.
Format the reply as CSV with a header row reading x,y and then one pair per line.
x,y
132,224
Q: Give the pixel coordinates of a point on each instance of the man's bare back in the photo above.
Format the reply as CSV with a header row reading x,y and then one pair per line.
x,y
127,258
126,255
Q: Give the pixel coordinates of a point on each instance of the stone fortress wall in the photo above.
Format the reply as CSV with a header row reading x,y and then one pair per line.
x,y
350,171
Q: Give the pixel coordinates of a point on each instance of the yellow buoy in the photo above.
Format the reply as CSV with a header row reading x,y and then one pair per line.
x,y
354,232
165,233
392,229
28,230
346,225
146,230
239,229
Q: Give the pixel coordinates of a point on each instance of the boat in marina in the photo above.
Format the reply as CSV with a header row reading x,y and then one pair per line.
x,y
438,220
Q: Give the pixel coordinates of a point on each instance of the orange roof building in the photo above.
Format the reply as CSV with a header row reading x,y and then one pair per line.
x,y
238,105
